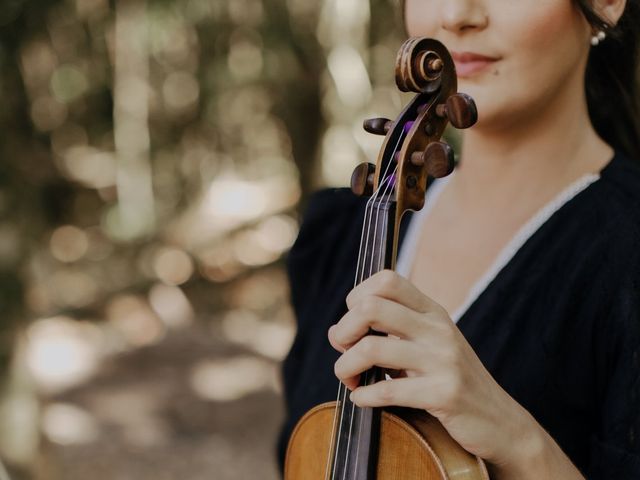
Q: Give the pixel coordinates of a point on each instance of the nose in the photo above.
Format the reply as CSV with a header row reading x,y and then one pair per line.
x,y
462,15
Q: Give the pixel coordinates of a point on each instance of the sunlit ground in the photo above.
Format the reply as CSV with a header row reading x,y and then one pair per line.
x,y
161,392
169,373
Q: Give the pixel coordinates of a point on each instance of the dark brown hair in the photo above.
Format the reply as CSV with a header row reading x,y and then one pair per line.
x,y
611,79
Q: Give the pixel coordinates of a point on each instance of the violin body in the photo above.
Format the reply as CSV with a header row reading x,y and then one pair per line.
x,y
413,445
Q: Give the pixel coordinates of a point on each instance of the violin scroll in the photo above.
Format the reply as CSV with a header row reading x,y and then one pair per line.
x,y
420,68
412,151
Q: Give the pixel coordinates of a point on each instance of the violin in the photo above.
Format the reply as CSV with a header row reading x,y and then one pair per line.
x,y
339,440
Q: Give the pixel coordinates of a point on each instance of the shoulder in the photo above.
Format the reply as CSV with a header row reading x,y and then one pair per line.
x,y
330,204
615,300
329,214
614,215
599,228
609,213
620,186
329,237
615,218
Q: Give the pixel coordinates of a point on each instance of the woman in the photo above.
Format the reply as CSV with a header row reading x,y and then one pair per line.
x,y
516,320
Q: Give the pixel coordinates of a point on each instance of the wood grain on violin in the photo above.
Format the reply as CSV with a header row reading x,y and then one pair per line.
x,y
413,445
339,440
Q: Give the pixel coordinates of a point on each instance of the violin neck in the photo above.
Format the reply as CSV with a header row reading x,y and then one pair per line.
x,y
378,243
356,442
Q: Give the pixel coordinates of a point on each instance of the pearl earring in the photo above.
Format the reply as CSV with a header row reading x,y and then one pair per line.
x,y
598,37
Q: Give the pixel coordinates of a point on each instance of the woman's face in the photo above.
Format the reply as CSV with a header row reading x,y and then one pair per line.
x,y
513,57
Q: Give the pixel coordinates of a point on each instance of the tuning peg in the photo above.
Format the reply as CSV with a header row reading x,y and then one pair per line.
x,y
362,179
377,126
438,157
460,109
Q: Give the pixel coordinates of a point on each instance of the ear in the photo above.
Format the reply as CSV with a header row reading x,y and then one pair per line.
x,y
610,10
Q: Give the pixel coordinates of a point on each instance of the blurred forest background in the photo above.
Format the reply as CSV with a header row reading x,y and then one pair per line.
x,y
156,156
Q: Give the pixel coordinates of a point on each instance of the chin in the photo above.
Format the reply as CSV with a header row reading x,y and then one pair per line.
x,y
494,108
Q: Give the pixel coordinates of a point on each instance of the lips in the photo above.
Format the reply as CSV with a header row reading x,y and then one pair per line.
x,y
470,63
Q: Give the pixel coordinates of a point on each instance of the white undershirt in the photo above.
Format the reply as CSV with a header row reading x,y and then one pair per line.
x,y
410,242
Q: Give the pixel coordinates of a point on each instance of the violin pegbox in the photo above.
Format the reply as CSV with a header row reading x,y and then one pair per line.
x,y
412,149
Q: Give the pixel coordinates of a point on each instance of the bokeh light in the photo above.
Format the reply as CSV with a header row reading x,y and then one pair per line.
x,y
62,353
173,266
69,243
68,83
231,379
180,91
132,317
171,305
90,166
67,424
268,338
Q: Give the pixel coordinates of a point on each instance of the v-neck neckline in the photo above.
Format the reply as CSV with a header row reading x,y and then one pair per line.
x,y
512,248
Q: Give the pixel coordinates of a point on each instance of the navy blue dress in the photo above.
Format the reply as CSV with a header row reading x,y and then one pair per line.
x,y
558,327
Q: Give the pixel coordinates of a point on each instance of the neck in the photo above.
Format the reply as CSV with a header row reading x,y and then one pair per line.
x,y
532,156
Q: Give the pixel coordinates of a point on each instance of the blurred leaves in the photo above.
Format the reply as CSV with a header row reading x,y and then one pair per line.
x,y
155,155
218,87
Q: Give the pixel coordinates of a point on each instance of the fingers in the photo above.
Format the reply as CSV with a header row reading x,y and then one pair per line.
x,y
436,394
381,351
378,314
388,284
405,392
389,303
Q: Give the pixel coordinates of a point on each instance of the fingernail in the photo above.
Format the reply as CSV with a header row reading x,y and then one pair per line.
x,y
351,396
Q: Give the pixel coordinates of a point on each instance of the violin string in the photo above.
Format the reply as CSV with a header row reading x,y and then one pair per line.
x,y
386,184
342,390
383,200
381,206
341,400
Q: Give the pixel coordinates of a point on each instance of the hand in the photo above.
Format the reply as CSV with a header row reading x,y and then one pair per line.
x,y
442,373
